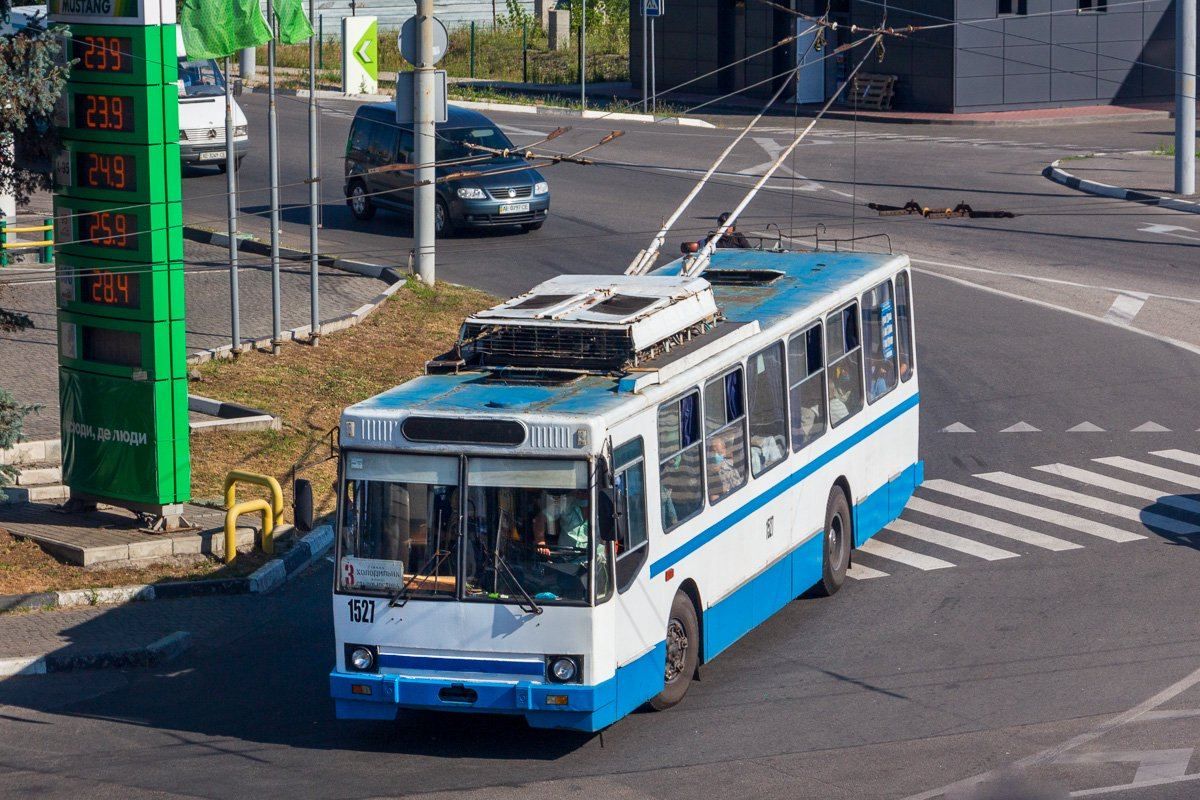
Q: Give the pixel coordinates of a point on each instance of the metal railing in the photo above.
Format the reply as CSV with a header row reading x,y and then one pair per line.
x,y
272,513
45,246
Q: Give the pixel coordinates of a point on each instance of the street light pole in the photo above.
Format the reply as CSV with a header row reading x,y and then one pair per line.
x,y
583,55
273,167
425,196
235,329
314,191
1185,96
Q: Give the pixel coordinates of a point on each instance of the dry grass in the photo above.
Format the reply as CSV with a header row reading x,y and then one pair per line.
x,y
26,568
308,387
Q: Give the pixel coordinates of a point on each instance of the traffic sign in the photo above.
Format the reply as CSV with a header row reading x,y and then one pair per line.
x,y
404,97
654,8
360,55
408,40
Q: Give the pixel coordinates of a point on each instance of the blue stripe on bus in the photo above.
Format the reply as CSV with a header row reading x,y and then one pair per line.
x,y
450,664
742,512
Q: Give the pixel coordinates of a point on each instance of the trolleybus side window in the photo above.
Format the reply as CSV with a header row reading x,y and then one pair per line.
x,y
879,333
844,373
806,373
725,434
399,524
680,473
904,342
630,483
768,409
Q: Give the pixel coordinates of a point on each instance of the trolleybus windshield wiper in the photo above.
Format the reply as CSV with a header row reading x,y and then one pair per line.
x,y
434,563
529,605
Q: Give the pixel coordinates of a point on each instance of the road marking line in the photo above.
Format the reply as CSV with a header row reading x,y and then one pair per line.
x,y
1153,765
1051,754
893,553
1124,487
1021,427
1086,427
998,527
957,427
1150,427
1125,308
1179,455
1154,471
1148,518
1098,529
861,573
949,540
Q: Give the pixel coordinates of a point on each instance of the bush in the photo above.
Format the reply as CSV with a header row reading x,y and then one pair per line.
x,y
12,415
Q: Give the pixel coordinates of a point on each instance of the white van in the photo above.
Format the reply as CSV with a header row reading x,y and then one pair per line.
x,y
202,113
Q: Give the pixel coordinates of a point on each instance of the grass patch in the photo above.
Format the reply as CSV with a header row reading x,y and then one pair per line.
x,y
516,49
308,387
595,103
26,568
1168,149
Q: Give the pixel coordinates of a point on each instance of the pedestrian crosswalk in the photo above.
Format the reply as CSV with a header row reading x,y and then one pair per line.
x,y
999,516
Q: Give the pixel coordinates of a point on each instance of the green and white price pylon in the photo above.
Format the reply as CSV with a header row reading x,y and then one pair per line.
x,y
119,259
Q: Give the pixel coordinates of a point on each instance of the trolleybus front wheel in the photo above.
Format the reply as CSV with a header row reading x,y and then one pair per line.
x,y
683,652
839,532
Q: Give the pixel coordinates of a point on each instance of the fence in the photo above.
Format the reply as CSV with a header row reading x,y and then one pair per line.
x,y
44,245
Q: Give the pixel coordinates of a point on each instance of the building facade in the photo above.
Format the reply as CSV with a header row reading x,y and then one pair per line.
x,y
1000,54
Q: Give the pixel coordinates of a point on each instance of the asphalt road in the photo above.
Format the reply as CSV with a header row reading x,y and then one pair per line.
x,y
1068,248
1066,652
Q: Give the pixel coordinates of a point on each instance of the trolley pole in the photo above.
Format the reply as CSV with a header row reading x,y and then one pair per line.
x,y
314,191
1185,96
425,196
235,327
273,167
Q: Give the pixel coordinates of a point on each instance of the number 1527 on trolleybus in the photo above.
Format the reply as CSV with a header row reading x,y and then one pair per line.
x,y
610,479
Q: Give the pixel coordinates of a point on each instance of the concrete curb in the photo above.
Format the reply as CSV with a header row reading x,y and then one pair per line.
x,y
514,108
157,652
265,579
230,416
390,275
1061,176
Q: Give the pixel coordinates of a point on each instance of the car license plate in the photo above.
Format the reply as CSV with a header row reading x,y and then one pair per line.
x,y
213,155
514,208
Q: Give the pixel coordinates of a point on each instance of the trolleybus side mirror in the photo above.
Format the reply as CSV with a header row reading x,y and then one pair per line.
x,y
606,507
302,504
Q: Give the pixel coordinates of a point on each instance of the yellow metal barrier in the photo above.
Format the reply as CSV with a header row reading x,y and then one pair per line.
x,y
45,247
272,512
248,507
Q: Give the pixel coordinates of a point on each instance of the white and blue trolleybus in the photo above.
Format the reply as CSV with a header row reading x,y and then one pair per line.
x,y
610,479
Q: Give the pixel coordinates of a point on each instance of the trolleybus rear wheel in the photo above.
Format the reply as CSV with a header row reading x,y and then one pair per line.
x,y
683,653
839,532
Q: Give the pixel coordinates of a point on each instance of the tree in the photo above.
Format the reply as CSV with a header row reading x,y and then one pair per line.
x,y
31,79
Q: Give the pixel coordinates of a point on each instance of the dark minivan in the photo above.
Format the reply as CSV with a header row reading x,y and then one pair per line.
x,y
520,197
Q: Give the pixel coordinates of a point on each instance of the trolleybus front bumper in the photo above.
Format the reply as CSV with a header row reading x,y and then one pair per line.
x,y
544,705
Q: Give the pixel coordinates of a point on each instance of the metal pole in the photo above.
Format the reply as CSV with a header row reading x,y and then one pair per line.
x,y
472,48
524,52
645,61
583,55
235,328
273,167
1185,96
425,197
314,192
321,53
653,69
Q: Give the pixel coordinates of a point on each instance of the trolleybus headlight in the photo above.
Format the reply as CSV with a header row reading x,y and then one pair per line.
x,y
563,669
360,658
